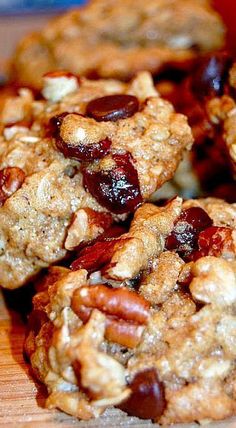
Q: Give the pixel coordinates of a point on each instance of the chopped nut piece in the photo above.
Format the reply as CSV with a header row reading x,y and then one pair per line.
x,y
59,84
86,225
11,179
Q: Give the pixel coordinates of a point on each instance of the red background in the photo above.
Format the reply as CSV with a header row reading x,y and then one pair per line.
x,y
227,9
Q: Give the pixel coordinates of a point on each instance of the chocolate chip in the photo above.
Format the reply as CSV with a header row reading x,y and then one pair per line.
x,y
53,127
112,107
147,399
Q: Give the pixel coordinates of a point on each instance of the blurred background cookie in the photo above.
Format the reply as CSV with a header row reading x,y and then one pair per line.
x,y
119,38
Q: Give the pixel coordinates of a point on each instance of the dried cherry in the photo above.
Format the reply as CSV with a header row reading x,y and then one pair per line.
x,y
210,77
54,124
84,152
117,188
184,237
80,152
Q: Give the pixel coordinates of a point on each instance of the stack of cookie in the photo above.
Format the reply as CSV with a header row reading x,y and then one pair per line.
x,y
136,294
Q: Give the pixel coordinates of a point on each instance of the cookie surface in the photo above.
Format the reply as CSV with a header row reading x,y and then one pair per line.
x,y
147,325
119,38
58,157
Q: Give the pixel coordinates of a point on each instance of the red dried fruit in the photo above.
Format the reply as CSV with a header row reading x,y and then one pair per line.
x,y
117,188
54,124
147,399
210,77
93,258
185,234
82,152
11,179
112,107
214,241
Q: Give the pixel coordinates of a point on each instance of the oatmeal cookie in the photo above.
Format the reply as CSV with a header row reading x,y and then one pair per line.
x,y
87,154
145,321
119,38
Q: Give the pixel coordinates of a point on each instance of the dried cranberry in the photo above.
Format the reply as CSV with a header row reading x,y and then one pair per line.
x,y
184,237
196,217
82,152
11,179
214,241
147,399
117,188
53,127
95,257
112,107
210,77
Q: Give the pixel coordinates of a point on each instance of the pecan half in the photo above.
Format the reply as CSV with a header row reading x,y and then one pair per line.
x,y
98,255
126,312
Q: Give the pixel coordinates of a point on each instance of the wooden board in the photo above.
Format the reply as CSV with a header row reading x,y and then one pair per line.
x,y
22,400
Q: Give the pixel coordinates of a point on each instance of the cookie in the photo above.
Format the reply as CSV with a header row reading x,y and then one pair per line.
x,y
119,38
146,321
86,155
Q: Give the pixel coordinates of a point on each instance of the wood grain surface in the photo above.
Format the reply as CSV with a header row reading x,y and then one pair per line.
x,y
22,399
